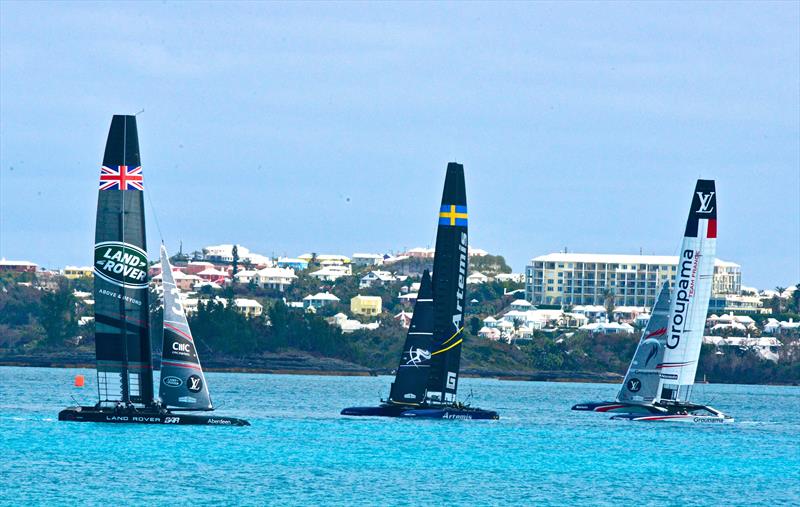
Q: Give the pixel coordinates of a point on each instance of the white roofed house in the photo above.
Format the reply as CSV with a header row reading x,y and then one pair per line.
x,y
275,278
477,277
319,300
248,307
521,305
245,306
607,328
367,259
774,326
592,312
404,318
510,277
376,277
244,276
331,273
214,275
182,280
489,333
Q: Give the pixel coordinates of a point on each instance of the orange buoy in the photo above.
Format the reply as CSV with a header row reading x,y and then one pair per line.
x,y
78,380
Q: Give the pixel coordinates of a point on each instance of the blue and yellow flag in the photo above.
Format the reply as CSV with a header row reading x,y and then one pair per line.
x,y
453,215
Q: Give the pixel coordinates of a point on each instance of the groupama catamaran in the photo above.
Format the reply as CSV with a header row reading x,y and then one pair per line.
x,y
427,377
659,381
122,309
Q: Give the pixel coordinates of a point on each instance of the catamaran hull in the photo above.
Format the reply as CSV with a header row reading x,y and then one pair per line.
x,y
91,414
675,418
614,407
423,413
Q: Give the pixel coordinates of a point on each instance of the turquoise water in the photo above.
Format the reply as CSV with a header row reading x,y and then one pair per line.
x,y
299,451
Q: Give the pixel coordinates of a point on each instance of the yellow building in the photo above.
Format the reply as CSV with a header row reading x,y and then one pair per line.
x,y
365,305
73,272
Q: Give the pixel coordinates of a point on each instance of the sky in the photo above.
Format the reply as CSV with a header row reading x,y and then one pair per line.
x,y
310,127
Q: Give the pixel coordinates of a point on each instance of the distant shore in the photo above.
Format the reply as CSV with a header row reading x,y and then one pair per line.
x,y
303,364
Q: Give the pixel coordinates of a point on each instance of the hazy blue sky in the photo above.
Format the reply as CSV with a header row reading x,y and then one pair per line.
x,y
291,128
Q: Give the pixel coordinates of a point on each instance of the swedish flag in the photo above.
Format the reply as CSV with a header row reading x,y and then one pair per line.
x,y
451,214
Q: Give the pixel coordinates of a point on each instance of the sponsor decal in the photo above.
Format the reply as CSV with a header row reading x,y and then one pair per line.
x,y
182,348
684,291
652,353
708,420
410,396
172,420
417,356
451,379
212,420
194,383
462,280
668,376
705,202
172,381
121,264
117,295
634,385
448,415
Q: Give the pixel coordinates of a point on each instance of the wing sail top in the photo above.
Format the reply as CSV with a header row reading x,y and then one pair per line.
x,y
182,384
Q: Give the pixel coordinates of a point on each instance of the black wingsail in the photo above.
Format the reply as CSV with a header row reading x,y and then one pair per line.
x,y
124,362
409,385
449,283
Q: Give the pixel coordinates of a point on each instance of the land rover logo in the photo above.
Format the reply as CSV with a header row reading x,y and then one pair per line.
x,y
172,381
194,383
634,385
122,264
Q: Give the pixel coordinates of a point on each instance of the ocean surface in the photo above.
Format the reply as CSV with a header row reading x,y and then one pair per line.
x,y
299,451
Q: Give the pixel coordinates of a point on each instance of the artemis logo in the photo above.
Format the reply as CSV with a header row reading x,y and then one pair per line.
x,y
417,356
705,202
462,280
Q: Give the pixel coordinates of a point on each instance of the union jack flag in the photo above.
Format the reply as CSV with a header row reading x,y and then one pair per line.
x,y
121,177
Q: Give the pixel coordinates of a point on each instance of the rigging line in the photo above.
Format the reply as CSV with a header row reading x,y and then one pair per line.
x,y
155,215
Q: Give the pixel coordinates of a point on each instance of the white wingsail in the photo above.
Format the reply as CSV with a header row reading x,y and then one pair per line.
x,y
690,296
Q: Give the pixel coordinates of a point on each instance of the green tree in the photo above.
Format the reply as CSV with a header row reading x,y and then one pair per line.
x,y
235,270
57,315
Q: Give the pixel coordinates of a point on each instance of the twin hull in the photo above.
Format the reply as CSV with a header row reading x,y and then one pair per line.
x,y
91,414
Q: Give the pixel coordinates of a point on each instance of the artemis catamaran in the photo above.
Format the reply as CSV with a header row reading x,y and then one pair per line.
x,y
122,309
659,381
427,377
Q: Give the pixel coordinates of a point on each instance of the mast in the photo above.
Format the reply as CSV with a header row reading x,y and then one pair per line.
x,y
449,287
122,340
411,380
690,296
182,383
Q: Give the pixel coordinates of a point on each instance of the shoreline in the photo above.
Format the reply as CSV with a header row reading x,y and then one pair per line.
x,y
307,364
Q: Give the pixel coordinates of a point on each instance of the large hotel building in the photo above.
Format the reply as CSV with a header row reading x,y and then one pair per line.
x,y
584,279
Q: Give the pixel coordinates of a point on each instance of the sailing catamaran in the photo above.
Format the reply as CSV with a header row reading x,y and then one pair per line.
x,y
122,310
427,377
659,381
